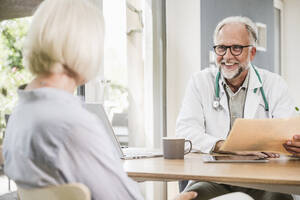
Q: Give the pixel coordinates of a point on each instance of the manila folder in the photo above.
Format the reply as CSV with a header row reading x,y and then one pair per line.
x,y
261,135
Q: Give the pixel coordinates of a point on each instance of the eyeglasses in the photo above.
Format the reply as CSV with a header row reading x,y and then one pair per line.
x,y
235,50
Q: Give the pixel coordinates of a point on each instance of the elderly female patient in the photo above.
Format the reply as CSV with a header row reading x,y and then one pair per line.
x,y
51,139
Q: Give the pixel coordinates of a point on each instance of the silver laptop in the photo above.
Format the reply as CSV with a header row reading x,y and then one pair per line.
x,y
124,153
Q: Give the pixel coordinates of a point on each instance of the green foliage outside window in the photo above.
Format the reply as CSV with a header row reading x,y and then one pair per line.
x,y
12,72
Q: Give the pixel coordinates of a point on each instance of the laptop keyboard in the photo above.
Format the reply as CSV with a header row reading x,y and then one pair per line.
x,y
135,152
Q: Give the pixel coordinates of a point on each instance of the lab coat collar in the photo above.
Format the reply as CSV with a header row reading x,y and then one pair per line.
x,y
254,81
223,97
253,99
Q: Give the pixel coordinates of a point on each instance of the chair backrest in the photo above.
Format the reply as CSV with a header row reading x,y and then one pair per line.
x,y
74,191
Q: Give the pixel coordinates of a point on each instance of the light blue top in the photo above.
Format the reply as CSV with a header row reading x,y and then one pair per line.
x,y
51,139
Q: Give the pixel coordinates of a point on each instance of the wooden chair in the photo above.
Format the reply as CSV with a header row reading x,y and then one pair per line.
x,y
74,191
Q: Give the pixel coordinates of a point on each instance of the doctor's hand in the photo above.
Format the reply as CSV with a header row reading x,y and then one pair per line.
x,y
186,196
293,146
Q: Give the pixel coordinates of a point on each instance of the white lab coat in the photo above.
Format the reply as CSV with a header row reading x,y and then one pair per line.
x,y
199,122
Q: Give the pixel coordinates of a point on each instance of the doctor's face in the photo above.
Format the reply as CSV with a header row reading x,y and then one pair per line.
x,y
235,61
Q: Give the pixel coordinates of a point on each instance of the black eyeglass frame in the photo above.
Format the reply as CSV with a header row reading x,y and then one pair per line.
x,y
230,47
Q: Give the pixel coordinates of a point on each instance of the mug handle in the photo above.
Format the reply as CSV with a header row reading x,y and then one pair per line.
x,y
190,142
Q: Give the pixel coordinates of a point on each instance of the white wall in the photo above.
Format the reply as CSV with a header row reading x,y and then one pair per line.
x,y
183,52
291,44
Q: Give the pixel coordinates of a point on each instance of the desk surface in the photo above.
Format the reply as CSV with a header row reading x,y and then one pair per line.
x,y
281,173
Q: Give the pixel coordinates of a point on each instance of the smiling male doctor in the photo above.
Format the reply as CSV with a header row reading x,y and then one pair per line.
x,y
216,97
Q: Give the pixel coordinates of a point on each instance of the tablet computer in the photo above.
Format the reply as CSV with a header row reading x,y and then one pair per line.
x,y
233,159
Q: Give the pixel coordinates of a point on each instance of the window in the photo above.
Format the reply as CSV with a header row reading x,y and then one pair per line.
x,y
12,72
130,85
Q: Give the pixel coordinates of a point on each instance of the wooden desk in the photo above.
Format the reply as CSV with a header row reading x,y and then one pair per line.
x,y
278,175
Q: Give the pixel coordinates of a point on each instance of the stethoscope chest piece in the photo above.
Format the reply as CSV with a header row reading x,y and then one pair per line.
x,y
216,103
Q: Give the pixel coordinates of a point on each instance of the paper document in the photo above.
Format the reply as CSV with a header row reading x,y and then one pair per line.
x,y
262,135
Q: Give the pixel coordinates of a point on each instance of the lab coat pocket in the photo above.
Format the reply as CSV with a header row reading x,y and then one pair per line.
x,y
261,113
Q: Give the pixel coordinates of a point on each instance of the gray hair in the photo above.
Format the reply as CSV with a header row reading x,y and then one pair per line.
x,y
250,26
66,35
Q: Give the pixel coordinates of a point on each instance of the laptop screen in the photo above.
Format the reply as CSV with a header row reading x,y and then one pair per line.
x,y
99,111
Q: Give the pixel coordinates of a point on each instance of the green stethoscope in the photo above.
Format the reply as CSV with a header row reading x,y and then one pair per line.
x,y
216,102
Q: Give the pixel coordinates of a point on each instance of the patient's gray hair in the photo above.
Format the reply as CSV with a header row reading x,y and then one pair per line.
x,y
250,26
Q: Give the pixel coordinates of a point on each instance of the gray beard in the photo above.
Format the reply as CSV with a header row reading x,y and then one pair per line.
x,y
240,70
